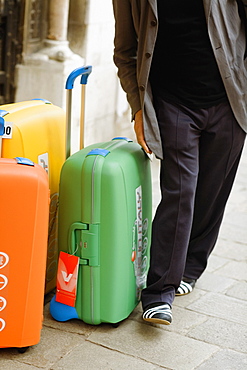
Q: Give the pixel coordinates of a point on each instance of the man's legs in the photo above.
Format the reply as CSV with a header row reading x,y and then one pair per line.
x,y
173,220
220,140
220,151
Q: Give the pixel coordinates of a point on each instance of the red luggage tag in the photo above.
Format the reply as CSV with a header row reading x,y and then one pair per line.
x,y
67,275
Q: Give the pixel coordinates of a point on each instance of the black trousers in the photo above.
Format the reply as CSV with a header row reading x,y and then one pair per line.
x,y
202,149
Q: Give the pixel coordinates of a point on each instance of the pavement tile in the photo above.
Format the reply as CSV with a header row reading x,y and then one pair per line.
x,y
183,320
52,346
157,346
187,299
214,283
231,250
93,356
225,334
234,233
215,262
221,306
239,217
238,290
14,365
137,313
225,359
234,269
243,206
237,201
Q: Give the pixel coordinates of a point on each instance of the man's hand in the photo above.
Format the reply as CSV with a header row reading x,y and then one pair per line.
x,y
139,131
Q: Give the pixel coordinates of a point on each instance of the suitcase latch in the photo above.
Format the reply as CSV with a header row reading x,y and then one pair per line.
x,y
84,243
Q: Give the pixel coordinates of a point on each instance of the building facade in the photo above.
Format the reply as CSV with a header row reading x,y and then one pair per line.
x,y
42,41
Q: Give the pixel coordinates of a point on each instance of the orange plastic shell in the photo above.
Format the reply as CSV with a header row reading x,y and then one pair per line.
x,y
24,202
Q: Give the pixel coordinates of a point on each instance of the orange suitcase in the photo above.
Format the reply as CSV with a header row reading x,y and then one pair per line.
x,y
24,202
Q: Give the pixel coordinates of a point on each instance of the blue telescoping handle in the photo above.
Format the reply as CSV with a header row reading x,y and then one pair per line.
x,y
1,126
84,72
2,121
1,133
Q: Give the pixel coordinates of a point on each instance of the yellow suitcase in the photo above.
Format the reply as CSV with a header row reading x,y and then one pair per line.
x,y
35,129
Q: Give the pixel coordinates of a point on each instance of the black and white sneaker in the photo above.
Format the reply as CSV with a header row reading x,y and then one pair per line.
x,y
159,314
186,286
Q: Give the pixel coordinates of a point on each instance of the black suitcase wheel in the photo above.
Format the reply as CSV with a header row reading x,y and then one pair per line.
x,y
22,349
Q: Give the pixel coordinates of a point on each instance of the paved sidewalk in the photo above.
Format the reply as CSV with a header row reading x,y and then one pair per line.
x,y
209,331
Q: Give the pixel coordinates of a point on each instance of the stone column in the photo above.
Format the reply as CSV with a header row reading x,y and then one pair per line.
x,y
56,45
58,20
52,62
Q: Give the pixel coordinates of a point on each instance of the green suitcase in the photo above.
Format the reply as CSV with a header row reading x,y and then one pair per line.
x,y
104,222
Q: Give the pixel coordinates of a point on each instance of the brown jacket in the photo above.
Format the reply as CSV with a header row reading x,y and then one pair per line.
x,y
136,25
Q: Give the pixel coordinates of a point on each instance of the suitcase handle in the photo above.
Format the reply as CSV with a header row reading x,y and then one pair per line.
x,y
71,235
84,72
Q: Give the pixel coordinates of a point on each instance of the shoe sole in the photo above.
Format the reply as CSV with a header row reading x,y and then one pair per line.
x,y
178,294
158,321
